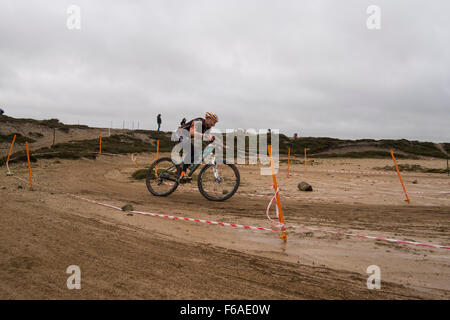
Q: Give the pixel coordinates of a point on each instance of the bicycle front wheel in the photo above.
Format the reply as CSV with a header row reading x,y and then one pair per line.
x,y
218,182
162,177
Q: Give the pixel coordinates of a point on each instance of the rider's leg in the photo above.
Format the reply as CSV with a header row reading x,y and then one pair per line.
x,y
186,162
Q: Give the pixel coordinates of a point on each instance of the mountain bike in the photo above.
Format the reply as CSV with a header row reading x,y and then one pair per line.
x,y
216,182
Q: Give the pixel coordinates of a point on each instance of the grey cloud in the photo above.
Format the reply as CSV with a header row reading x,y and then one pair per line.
x,y
310,67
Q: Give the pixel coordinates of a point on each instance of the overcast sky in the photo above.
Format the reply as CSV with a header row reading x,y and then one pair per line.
x,y
311,67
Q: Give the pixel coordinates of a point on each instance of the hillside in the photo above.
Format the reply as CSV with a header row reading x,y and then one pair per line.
x,y
53,139
57,139
365,148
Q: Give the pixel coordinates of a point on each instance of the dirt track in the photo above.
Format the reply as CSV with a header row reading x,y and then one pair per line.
x,y
122,256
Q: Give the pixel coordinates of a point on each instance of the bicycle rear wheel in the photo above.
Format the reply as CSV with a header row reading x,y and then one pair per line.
x,y
218,182
162,177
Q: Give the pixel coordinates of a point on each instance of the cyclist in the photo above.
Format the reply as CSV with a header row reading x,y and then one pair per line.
x,y
205,124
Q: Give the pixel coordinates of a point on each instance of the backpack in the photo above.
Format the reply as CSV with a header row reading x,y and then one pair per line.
x,y
185,126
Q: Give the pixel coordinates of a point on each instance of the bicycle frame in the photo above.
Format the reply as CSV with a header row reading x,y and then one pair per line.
x,y
208,151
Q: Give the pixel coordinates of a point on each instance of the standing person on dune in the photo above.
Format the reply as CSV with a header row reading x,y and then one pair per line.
x,y
158,120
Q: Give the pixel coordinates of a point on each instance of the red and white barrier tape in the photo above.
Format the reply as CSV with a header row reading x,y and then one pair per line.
x,y
224,224
356,172
8,172
277,224
372,237
391,182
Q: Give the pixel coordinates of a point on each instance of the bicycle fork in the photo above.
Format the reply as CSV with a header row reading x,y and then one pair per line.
x,y
217,177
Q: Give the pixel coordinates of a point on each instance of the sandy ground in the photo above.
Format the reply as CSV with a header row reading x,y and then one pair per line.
x,y
141,257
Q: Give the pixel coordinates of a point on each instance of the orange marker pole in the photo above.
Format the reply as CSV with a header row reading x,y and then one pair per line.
x,y
100,150
400,177
157,149
157,157
275,185
10,149
29,166
133,157
9,154
306,166
289,160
